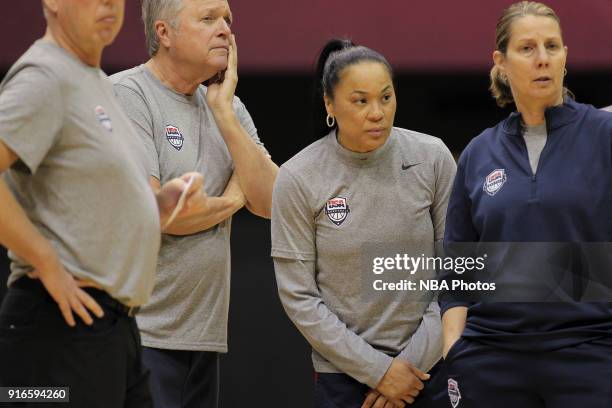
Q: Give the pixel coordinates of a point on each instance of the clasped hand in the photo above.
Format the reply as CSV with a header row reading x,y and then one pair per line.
x,y
400,385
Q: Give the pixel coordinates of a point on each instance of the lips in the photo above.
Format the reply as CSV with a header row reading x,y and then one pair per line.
x,y
108,19
376,131
542,79
221,47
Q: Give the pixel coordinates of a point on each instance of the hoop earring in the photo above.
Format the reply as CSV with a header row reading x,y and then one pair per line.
x,y
564,71
503,78
330,120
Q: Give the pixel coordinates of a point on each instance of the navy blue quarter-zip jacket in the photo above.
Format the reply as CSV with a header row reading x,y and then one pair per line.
x,y
497,198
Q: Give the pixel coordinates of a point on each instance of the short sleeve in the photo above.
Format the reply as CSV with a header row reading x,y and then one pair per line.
x,y
31,115
138,112
293,226
247,123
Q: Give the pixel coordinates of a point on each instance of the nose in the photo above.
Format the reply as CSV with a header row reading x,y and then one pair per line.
x,y
112,4
376,112
542,57
224,28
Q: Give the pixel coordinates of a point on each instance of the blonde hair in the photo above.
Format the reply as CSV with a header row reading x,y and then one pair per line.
x,y
500,88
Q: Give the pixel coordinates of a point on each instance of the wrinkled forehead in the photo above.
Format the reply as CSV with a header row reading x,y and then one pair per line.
x,y
530,26
88,5
221,5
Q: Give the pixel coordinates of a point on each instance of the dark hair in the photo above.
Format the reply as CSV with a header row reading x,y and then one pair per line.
x,y
500,88
336,55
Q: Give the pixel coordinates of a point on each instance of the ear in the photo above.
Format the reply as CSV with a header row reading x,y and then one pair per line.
x,y
329,106
499,60
51,6
162,28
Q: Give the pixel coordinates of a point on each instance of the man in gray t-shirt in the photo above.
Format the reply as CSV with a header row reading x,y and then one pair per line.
x,y
187,126
78,216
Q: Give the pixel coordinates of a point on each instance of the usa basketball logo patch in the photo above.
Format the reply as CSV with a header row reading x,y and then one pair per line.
x,y
174,136
337,210
494,181
103,118
453,392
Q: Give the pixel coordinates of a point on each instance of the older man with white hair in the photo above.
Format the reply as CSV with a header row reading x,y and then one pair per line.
x,y
78,216
185,125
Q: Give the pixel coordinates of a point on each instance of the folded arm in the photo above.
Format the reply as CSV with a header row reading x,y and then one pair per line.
x,y
205,212
255,169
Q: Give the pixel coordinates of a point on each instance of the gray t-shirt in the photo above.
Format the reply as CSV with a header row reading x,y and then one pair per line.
x,y
535,139
82,176
190,303
397,194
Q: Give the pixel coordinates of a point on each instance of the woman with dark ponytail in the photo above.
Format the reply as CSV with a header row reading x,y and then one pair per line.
x,y
364,182
543,175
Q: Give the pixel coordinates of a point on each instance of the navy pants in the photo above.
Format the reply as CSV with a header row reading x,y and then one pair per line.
x,y
342,391
483,376
183,379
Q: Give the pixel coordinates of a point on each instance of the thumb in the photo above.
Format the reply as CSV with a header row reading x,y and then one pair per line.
x,y
186,176
198,180
212,88
420,374
87,284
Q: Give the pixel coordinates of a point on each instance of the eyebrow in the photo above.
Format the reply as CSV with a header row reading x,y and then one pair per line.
x,y
555,38
365,93
217,9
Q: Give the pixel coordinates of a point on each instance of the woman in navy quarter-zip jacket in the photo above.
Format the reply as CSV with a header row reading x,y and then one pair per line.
x,y
544,174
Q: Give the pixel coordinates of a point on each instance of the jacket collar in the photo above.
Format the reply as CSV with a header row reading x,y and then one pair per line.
x,y
556,117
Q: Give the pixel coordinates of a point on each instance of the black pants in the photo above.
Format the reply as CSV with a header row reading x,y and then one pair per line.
x,y
343,391
183,379
483,376
101,364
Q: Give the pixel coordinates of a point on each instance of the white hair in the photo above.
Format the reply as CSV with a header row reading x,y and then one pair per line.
x,y
155,10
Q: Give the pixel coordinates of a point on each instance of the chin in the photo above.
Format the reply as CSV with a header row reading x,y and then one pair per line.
x,y
106,37
374,144
550,97
217,63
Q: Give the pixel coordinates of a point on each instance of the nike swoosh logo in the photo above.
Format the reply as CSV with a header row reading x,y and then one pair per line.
x,y
407,166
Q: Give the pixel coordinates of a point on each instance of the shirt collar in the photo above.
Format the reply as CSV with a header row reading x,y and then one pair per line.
x,y
361,159
556,117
